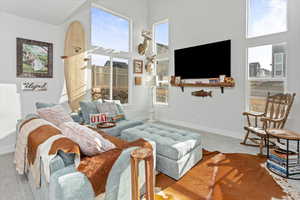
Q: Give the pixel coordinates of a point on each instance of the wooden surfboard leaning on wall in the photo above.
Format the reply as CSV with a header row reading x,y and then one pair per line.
x,y
75,70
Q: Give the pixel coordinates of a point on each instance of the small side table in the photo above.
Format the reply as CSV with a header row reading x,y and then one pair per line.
x,y
137,156
288,136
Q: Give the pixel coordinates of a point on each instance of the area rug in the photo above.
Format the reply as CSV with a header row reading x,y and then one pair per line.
x,y
224,176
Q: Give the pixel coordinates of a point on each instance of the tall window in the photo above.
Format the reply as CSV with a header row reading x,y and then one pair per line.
x,y
266,63
110,39
161,49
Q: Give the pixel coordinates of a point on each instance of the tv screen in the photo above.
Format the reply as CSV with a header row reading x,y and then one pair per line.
x,y
204,61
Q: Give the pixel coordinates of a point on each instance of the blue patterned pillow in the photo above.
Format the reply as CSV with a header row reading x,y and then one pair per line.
x,y
87,108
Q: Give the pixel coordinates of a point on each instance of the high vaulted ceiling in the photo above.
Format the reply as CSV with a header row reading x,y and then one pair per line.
x,y
49,11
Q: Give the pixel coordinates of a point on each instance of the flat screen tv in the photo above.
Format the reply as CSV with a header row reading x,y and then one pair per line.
x,y
204,61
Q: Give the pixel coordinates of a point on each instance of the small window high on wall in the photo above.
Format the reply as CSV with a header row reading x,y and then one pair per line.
x,y
109,31
161,49
266,17
111,54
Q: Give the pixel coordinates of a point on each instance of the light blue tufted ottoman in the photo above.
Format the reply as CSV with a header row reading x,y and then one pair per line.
x,y
177,150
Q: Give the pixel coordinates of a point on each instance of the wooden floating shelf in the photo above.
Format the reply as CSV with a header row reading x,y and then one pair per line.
x,y
220,85
204,85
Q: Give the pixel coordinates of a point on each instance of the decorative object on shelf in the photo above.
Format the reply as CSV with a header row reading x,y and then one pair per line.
x,y
34,59
34,86
151,82
229,80
172,81
138,80
177,80
222,78
150,63
214,80
142,48
138,66
202,93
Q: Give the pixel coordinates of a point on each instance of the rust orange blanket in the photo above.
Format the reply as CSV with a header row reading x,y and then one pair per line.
x,y
97,168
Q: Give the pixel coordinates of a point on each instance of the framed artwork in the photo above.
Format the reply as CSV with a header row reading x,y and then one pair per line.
x,y
34,59
138,80
138,66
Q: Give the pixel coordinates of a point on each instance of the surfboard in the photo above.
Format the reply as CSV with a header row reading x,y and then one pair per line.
x,y
74,64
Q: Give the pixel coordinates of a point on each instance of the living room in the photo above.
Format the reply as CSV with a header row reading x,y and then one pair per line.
x,y
129,51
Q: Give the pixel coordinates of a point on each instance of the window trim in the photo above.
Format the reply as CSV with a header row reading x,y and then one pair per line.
x,y
154,50
265,35
111,53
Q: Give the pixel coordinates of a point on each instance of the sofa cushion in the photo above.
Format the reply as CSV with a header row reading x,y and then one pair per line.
x,y
171,142
90,142
120,114
40,105
107,107
87,108
55,114
122,125
67,183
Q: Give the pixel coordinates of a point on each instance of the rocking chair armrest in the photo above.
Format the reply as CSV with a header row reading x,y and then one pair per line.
x,y
265,119
254,114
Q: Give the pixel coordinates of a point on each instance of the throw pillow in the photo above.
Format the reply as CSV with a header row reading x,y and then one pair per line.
x,y
56,115
98,118
107,107
40,105
119,115
90,142
87,108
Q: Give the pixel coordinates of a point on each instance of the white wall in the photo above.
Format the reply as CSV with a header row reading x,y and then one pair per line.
x,y
195,22
13,27
23,102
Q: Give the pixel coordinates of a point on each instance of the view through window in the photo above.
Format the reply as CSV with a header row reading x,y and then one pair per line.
x,y
110,39
266,63
161,47
266,17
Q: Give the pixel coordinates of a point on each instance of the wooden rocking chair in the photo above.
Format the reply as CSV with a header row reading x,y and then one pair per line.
x,y
275,116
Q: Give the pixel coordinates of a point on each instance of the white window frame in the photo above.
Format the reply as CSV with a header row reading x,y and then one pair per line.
x,y
159,60
256,41
111,53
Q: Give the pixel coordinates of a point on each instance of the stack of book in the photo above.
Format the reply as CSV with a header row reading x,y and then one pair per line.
x,y
278,162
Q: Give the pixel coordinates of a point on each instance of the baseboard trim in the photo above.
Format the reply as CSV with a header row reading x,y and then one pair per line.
x,y
7,149
202,128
